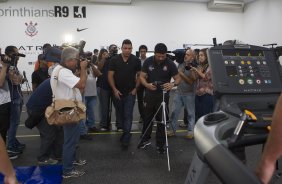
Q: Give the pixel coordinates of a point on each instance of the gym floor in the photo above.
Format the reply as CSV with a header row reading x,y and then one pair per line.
x,y
108,163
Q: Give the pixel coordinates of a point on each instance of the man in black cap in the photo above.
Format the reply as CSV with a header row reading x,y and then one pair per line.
x,y
156,75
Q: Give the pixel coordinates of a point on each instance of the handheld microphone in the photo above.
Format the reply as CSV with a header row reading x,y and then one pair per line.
x,y
25,76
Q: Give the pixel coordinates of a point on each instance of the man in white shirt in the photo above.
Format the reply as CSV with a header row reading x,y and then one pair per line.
x,y
66,81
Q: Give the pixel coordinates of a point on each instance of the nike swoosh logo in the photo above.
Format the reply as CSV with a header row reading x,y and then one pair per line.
x,y
78,30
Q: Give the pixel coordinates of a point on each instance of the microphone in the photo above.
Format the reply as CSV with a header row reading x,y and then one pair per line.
x,y
25,76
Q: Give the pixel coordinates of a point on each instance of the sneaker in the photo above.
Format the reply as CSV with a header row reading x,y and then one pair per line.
x,y
48,161
14,150
93,130
170,133
86,137
143,144
103,129
190,135
119,130
183,125
79,162
13,156
161,150
73,174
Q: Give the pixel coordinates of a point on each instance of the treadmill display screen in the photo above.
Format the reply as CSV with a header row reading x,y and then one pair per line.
x,y
244,70
237,52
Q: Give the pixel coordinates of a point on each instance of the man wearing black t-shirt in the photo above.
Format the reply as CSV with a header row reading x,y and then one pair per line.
x,y
157,69
123,70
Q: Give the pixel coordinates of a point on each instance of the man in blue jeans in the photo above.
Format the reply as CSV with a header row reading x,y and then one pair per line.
x,y
122,75
185,94
15,79
68,86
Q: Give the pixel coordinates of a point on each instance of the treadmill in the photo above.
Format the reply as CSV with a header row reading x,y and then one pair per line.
x,y
247,85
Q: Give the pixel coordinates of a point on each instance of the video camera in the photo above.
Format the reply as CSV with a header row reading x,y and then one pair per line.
x,y
178,55
11,60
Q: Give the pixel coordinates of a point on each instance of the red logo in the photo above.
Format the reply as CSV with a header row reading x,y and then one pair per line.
x,y
31,29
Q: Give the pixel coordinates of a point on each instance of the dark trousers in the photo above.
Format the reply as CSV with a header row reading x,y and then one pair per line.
x,y
5,110
51,137
203,105
153,103
140,100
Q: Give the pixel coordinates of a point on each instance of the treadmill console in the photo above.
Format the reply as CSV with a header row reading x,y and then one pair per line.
x,y
244,70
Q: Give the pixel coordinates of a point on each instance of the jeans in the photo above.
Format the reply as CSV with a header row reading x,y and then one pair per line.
x,y
104,97
70,146
124,112
5,119
89,102
187,101
203,105
16,109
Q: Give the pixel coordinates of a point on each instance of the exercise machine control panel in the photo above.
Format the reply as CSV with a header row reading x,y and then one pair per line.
x,y
244,70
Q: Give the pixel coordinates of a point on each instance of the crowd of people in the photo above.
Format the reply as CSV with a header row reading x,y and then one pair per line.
x,y
111,79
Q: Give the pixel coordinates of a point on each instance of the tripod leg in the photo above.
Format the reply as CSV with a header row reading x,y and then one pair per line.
x,y
166,140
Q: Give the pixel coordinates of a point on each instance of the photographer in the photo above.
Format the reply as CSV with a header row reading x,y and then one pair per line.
x,y
156,75
185,94
15,79
67,82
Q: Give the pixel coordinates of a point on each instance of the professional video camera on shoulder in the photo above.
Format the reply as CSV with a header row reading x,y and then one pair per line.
x,y
11,55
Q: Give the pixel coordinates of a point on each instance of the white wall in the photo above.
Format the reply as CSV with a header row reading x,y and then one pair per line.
x,y
262,22
147,22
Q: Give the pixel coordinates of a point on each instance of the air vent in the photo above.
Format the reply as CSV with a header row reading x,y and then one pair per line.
x,y
226,5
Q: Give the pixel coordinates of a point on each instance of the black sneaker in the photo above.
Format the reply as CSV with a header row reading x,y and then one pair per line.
x,y
73,174
15,150
93,130
86,137
143,144
161,150
13,156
